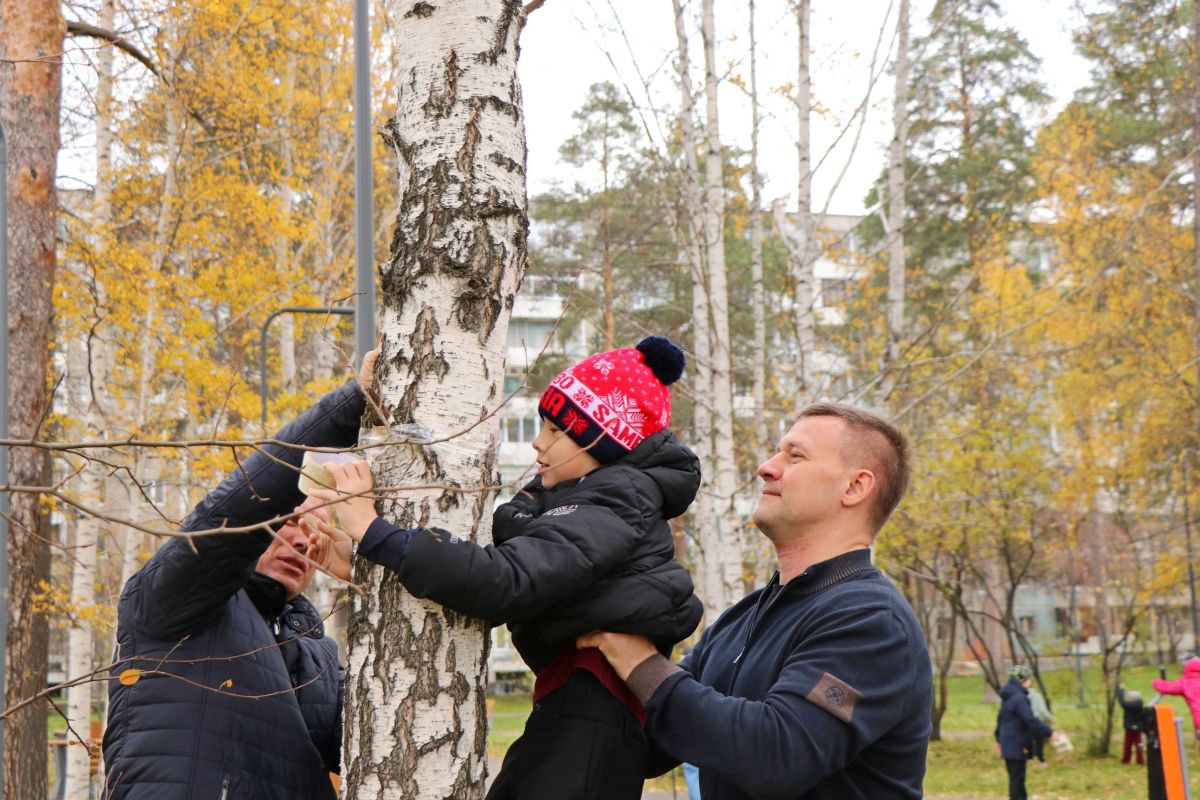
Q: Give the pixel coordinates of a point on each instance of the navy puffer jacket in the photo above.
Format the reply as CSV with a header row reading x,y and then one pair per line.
x,y
240,693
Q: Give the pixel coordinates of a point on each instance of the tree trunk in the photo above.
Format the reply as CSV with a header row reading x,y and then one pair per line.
x,y
415,720
758,358
31,44
704,517
726,582
88,486
802,253
896,209
1196,193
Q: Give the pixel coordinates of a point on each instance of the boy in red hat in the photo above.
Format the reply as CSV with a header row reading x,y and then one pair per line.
x,y
584,546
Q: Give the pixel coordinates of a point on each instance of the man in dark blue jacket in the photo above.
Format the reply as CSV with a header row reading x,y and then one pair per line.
x,y
1016,726
224,684
819,685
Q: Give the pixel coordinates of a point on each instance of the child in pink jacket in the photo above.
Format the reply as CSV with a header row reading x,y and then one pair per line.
x,y
1188,686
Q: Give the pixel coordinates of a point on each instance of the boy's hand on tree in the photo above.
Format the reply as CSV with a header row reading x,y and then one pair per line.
x,y
355,507
328,547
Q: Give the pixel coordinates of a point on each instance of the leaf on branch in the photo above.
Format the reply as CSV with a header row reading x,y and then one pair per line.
x,y
228,683
129,677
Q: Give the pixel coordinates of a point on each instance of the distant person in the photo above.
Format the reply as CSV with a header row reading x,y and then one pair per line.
x,y
586,544
1131,706
239,693
1042,711
1016,726
817,686
1188,686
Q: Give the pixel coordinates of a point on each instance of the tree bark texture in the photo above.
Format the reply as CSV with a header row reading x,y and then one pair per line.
x,y
415,720
31,43
725,541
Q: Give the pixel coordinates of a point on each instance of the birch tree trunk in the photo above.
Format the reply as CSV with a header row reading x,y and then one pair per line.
x,y
415,720
31,44
896,208
758,357
802,252
725,543
704,517
88,486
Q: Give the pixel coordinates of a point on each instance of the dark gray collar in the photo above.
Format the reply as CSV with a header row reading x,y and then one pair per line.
x,y
827,573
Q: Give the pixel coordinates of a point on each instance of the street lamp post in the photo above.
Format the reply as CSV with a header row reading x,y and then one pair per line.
x,y
262,348
364,201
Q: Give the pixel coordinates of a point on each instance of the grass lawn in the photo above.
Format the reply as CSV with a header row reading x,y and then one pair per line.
x,y
965,764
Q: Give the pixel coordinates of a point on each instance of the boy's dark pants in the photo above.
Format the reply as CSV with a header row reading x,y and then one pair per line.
x,y
580,743
1132,739
1016,778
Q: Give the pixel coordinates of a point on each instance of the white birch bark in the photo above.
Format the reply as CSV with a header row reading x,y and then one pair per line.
x,y
84,409
87,485
802,258
758,357
726,580
896,208
699,377
415,719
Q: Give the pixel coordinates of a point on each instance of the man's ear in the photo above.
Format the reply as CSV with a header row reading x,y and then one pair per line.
x,y
859,489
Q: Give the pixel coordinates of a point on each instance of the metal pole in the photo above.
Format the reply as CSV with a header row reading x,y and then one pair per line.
x,y
364,201
262,348
4,496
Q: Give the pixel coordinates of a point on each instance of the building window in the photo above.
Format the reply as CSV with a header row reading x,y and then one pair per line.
x,y
835,293
520,430
532,334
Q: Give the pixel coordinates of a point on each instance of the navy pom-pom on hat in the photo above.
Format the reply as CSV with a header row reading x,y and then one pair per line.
x,y
609,402
664,358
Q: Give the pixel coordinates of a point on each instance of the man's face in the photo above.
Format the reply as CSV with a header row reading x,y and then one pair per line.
x,y
284,559
559,457
803,482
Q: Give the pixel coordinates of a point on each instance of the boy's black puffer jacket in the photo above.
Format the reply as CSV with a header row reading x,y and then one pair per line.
x,y
595,553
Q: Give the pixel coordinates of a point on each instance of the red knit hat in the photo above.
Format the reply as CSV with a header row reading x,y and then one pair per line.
x,y
609,402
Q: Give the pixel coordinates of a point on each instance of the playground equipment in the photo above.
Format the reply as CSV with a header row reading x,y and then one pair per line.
x,y
1166,765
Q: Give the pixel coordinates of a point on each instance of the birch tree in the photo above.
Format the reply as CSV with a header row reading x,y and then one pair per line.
x,y
801,253
700,365
415,718
758,356
31,44
895,207
722,545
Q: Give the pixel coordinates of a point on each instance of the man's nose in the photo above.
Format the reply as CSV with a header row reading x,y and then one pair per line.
x,y
767,469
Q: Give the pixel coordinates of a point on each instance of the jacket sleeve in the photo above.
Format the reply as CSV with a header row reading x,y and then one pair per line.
x,y
780,746
189,579
1024,712
1167,687
558,554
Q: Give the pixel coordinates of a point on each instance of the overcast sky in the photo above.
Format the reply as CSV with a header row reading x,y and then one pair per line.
x,y
570,44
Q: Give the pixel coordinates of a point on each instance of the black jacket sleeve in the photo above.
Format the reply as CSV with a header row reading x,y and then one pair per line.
x,y
188,580
566,548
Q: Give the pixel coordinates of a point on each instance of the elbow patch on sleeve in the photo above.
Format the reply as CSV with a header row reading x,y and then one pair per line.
x,y
835,696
